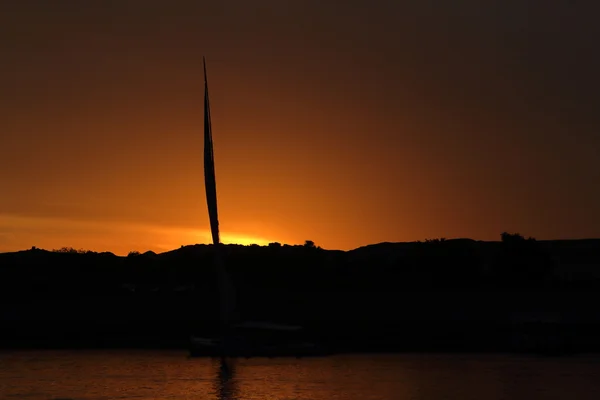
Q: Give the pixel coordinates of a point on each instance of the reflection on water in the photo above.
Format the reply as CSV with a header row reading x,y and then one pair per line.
x,y
225,383
144,375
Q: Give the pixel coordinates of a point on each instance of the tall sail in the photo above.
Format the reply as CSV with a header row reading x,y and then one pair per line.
x,y
225,287
209,166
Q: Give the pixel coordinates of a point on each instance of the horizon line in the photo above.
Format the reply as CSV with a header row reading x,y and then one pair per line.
x,y
66,249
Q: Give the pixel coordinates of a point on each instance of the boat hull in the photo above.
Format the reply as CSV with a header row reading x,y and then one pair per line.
x,y
205,347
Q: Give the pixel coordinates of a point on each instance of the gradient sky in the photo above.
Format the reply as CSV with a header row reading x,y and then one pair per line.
x,y
344,122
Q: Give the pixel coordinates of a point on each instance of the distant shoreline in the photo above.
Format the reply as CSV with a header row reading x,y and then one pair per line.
x,y
66,249
437,295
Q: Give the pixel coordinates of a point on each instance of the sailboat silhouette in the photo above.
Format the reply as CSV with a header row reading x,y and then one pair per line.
x,y
237,338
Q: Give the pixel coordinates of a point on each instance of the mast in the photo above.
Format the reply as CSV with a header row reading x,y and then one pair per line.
x,y
224,284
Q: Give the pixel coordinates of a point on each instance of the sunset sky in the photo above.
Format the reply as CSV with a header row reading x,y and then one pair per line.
x,y
343,122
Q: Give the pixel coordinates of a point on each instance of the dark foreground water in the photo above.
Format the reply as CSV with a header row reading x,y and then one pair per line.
x,y
170,375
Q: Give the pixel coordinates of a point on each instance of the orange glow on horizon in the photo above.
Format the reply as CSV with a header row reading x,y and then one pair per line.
x,y
53,233
228,238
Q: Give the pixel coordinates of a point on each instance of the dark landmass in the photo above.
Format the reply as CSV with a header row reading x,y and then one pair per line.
x,y
437,295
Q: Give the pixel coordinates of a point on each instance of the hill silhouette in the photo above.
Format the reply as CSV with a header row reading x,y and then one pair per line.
x,y
453,294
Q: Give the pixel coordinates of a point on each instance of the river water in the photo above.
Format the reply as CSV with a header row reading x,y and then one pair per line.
x,y
143,375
